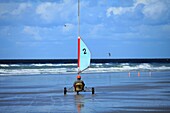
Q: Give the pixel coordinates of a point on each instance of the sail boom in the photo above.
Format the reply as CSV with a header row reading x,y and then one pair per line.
x,y
83,70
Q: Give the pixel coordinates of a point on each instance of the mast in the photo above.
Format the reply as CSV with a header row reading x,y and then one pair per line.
x,y
78,36
84,54
79,18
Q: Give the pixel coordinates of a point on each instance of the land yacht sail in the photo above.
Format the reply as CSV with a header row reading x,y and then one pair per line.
x,y
84,54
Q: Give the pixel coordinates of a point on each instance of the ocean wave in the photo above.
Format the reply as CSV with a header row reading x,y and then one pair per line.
x,y
37,71
124,64
4,65
52,65
31,69
36,66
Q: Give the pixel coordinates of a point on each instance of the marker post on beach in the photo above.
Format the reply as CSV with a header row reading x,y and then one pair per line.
x,y
138,74
129,74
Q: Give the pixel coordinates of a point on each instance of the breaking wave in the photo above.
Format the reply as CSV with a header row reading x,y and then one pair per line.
x,y
31,69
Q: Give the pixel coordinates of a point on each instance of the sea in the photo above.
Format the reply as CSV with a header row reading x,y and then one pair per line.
x,y
121,86
30,67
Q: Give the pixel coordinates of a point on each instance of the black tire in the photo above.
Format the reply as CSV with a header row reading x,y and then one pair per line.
x,y
92,90
65,90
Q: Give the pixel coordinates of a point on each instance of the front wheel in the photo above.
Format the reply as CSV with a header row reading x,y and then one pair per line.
x,y
92,90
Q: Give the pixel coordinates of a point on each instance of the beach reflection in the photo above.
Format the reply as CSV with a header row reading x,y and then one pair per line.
x,y
79,102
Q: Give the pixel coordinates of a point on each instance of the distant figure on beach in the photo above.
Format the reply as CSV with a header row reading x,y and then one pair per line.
x,y
79,84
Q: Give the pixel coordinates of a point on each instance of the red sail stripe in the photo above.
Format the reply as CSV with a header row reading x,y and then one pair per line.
x,y
78,52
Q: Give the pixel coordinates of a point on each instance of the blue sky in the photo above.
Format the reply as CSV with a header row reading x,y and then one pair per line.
x,y
34,29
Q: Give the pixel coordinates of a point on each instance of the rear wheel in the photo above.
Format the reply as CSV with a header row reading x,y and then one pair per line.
x,y
65,90
92,90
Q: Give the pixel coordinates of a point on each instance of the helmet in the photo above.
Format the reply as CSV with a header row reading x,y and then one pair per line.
x,y
78,76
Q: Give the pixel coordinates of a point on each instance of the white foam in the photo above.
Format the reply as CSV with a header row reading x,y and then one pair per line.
x,y
124,64
4,65
50,65
163,68
15,65
66,65
30,69
40,65
144,66
36,71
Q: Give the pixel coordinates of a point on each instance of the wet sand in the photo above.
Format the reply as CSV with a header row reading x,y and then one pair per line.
x,y
115,92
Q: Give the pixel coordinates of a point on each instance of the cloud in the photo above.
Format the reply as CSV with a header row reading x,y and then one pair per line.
x,y
17,14
14,8
48,10
49,34
117,10
40,13
21,8
52,11
33,31
6,8
152,9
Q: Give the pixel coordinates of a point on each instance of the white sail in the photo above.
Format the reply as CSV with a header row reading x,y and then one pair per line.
x,y
84,56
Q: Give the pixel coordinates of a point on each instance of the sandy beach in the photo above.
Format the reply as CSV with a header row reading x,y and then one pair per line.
x,y
114,92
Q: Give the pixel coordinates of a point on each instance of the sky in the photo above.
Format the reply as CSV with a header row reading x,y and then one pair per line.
x,y
48,29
